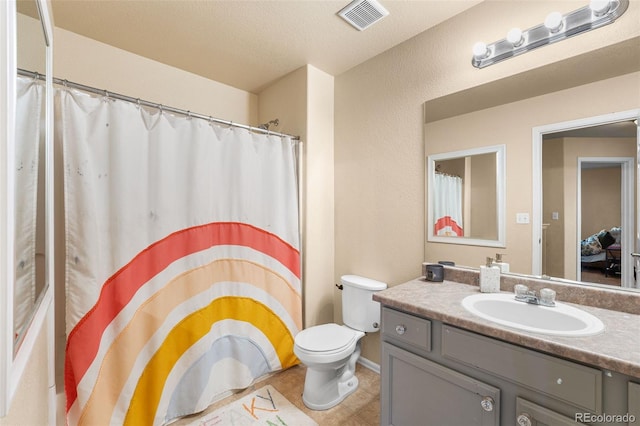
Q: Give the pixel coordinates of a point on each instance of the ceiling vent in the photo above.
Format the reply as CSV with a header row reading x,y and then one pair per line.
x,y
363,13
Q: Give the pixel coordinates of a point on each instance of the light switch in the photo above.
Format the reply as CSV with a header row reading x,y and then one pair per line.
x,y
522,217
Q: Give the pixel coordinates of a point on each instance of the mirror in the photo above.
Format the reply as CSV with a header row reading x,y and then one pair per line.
x,y
29,238
585,210
465,197
26,202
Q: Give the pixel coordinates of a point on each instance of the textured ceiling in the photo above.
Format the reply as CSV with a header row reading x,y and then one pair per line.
x,y
248,44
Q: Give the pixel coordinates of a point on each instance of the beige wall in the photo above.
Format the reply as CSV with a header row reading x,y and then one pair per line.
x,y
89,62
319,252
601,199
483,197
29,405
381,144
553,201
31,47
303,101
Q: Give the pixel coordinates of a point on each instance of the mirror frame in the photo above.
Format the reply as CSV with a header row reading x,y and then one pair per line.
x,y
536,232
500,151
13,364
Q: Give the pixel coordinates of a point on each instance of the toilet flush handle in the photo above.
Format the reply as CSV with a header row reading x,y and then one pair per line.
x,y
339,286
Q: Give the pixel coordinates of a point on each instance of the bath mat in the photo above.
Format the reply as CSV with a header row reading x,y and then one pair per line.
x,y
265,406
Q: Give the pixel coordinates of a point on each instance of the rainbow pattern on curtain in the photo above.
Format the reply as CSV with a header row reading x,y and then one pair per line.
x,y
213,283
164,317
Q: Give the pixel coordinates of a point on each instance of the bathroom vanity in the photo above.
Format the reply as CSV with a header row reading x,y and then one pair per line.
x,y
442,365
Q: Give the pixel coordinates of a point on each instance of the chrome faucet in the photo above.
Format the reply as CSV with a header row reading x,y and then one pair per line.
x,y
529,297
546,297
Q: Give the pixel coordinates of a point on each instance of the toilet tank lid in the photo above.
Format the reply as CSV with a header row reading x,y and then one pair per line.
x,y
362,282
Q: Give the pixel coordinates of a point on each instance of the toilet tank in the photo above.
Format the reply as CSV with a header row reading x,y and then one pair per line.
x,y
359,311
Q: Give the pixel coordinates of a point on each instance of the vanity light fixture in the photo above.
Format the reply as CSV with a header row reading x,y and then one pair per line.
x,y
515,37
556,27
553,22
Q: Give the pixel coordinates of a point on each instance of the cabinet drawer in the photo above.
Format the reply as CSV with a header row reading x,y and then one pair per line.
x,y
573,383
406,328
540,416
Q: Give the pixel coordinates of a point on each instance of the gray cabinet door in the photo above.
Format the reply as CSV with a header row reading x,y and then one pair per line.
x,y
418,392
530,414
634,401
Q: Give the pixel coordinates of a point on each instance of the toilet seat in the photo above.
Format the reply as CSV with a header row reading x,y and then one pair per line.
x,y
325,338
328,342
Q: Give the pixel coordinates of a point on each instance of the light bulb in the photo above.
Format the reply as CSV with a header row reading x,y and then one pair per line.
x,y
599,7
514,36
480,50
553,22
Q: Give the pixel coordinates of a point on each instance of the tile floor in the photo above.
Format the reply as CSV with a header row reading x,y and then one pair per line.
x,y
361,408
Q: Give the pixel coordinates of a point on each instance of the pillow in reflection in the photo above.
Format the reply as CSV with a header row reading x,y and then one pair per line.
x,y
605,238
590,245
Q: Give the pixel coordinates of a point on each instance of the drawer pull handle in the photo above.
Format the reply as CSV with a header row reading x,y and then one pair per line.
x,y
401,329
559,381
524,420
487,403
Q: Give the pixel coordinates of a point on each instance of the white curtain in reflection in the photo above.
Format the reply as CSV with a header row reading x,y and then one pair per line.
x,y
448,205
29,117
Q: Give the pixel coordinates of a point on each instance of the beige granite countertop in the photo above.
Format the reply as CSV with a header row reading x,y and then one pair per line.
x,y
616,349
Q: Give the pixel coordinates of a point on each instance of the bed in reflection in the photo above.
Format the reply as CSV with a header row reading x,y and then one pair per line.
x,y
601,252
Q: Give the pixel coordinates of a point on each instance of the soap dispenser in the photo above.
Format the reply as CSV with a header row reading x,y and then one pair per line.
x,y
504,266
489,277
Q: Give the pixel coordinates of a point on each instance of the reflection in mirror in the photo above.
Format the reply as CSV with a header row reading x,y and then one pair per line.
x,y
588,208
466,197
26,151
29,244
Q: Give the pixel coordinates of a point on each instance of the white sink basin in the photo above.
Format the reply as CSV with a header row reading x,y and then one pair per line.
x,y
560,320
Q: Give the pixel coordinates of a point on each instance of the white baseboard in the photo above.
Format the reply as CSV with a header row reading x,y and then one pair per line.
x,y
369,364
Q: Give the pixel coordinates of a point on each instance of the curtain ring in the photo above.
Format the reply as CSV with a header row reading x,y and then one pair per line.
x,y
188,115
138,103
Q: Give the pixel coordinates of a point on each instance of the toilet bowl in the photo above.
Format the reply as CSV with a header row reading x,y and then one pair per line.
x,y
330,351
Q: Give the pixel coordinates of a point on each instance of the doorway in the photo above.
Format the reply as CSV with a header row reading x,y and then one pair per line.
x,y
604,194
599,126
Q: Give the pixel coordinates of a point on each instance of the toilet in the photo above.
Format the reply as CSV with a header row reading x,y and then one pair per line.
x,y
330,351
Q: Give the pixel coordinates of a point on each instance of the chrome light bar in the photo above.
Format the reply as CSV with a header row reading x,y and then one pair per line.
x,y
555,28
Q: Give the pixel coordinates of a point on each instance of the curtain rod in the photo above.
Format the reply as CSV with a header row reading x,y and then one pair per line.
x,y
439,172
161,107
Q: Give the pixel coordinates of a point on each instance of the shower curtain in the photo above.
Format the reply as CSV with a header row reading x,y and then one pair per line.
x,y
29,121
182,260
448,205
